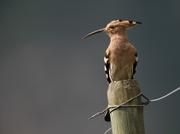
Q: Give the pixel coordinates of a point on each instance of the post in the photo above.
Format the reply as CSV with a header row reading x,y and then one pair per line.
x,y
126,120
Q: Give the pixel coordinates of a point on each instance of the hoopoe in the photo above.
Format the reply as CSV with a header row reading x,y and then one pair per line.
x,y
120,58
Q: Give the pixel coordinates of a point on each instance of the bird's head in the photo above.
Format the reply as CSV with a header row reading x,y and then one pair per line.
x,y
115,27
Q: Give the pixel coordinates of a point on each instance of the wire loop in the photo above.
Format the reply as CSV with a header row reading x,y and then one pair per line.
x,y
124,104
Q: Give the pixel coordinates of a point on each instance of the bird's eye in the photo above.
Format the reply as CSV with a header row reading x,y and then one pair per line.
x,y
112,27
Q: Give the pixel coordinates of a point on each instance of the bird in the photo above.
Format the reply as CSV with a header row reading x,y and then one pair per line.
x,y
121,56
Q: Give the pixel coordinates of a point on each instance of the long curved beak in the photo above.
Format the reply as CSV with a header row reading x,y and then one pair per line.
x,y
94,32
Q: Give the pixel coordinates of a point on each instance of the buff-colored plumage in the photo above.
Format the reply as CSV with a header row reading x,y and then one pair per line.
x,y
120,58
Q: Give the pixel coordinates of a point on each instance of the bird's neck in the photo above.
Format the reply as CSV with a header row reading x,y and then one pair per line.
x,y
118,38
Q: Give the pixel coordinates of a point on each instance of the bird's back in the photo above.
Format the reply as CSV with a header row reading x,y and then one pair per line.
x,y
121,60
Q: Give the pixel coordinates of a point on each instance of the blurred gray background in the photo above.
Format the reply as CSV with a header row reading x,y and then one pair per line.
x,y
51,81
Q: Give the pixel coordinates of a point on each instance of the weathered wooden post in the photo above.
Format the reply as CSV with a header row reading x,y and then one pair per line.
x,y
125,120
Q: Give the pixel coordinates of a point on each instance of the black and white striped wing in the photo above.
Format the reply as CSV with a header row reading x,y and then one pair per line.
x,y
134,65
107,67
107,72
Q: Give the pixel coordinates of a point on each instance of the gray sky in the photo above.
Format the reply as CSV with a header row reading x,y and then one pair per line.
x,y
51,81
